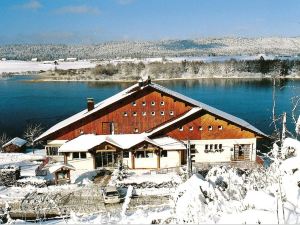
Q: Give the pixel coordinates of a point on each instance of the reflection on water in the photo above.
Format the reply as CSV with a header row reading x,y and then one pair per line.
x,y
50,102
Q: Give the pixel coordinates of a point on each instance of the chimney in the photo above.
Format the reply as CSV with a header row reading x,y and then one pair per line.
x,y
90,104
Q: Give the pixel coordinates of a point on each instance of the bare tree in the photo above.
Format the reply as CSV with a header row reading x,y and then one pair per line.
x,y
3,139
32,132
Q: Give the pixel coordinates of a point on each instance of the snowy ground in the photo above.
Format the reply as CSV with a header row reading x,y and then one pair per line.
x,y
12,66
225,195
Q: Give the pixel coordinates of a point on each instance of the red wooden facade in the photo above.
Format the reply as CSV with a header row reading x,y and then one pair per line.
x,y
204,126
149,108
138,113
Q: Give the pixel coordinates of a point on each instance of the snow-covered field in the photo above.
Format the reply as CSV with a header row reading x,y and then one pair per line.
x,y
11,66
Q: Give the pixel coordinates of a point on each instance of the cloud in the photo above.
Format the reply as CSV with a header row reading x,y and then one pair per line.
x,y
80,9
30,5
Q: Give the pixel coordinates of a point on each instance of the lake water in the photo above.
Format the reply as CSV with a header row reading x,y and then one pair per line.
x,y
47,103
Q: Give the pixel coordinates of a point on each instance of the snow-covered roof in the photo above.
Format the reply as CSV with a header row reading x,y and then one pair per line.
x,y
133,89
168,143
87,142
59,166
84,142
56,142
15,141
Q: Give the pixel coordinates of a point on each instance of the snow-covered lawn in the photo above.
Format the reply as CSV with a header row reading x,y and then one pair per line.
x,y
12,66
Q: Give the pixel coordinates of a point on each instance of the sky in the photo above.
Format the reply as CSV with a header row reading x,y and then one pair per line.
x,y
97,21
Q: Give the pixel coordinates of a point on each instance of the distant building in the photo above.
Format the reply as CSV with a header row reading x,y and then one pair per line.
x,y
61,60
71,59
34,60
3,59
148,126
15,145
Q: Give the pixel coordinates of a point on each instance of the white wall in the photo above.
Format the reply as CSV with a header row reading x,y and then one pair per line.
x,y
146,163
82,164
173,160
227,145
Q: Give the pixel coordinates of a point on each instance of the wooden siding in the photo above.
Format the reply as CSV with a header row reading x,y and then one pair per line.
x,y
14,148
191,129
134,122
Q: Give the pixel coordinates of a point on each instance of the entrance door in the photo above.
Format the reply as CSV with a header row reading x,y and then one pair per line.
x,y
106,159
242,152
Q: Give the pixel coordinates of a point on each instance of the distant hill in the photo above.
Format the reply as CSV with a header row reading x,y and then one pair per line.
x,y
143,49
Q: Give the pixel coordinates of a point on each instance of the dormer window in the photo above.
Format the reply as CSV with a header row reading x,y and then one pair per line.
x,y
220,127
133,103
210,128
143,103
162,113
144,113
134,114
180,128
153,113
162,103
136,130
125,114
153,103
200,128
191,128
171,113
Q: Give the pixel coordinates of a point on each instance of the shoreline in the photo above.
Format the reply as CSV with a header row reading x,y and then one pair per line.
x,y
163,79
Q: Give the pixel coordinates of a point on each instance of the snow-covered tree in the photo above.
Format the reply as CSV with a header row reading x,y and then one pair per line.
x,y
32,132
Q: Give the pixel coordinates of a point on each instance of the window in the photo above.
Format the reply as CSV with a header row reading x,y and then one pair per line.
x,y
153,113
200,128
140,154
164,153
171,113
133,103
79,155
136,130
126,154
210,128
213,148
52,150
220,127
180,128
143,103
125,114
144,154
191,128
75,155
149,154
144,113
162,103
134,113
152,103
162,113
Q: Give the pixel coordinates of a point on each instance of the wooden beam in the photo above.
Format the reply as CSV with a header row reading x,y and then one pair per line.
x,y
133,160
158,158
